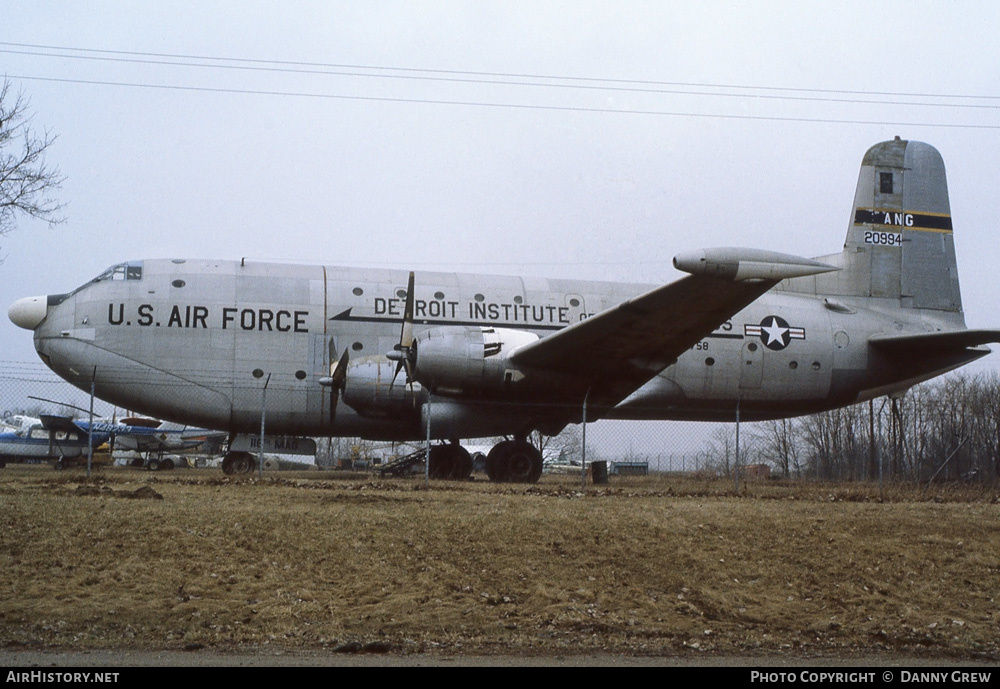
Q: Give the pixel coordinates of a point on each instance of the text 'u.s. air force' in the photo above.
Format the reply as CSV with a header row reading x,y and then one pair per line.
x,y
227,318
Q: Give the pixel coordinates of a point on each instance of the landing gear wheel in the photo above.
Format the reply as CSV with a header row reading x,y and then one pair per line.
x,y
441,462
496,462
524,464
154,464
463,465
237,463
168,464
514,461
450,462
243,463
496,469
59,465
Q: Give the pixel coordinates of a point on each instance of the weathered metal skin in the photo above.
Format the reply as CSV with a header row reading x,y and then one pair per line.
x,y
197,341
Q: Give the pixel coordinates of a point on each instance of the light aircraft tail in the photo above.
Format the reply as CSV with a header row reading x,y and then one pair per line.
x,y
899,242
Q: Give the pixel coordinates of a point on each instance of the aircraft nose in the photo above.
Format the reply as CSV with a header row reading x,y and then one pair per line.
x,y
27,313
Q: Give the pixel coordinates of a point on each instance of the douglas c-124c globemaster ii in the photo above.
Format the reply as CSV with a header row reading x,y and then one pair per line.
x,y
767,334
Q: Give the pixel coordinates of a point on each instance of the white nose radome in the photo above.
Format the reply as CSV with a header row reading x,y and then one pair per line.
x,y
27,313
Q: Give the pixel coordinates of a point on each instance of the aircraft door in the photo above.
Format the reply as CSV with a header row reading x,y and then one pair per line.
x,y
751,365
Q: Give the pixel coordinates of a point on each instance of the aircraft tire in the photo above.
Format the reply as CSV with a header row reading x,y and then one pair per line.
x,y
524,464
442,462
514,461
462,469
455,462
496,462
238,463
59,465
242,463
168,464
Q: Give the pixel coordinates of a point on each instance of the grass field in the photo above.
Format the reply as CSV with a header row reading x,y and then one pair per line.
x,y
648,565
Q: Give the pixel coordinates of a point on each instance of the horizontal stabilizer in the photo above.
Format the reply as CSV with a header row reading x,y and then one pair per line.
x,y
927,342
748,264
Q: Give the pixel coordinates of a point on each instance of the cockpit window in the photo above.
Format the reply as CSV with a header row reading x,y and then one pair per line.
x,y
122,271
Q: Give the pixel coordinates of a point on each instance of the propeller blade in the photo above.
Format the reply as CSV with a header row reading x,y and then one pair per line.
x,y
338,376
406,335
339,371
403,352
399,365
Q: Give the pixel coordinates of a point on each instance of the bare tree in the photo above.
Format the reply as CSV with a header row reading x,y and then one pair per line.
x,y
779,445
27,184
567,445
720,454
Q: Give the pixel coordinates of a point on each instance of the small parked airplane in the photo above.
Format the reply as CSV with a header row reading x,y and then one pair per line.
x,y
318,349
46,438
66,440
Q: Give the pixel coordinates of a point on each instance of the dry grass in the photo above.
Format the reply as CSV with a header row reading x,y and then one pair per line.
x,y
645,565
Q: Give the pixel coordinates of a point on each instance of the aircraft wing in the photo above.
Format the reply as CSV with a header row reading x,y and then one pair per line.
x,y
59,423
143,438
139,443
618,350
153,435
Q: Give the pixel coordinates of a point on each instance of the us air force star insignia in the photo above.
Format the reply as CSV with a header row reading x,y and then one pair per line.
x,y
774,332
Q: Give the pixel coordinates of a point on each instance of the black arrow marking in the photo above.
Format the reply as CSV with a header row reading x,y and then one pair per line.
x,y
346,316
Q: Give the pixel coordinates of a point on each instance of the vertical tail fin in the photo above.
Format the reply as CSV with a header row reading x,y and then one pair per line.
x,y
899,243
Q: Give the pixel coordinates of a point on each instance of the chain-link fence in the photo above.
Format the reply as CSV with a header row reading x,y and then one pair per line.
x,y
948,429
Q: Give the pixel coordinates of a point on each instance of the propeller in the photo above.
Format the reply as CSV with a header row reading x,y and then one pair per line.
x,y
338,375
404,353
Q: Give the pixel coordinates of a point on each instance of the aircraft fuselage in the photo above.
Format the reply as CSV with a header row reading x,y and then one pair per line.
x,y
197,341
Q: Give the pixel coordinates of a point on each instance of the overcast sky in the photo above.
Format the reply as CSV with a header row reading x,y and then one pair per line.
x,y
577,139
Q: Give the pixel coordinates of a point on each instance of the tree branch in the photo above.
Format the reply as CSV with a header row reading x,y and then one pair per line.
x,y
27,184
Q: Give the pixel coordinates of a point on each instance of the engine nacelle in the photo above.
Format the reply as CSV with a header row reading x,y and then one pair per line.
x,y
468,360
370,390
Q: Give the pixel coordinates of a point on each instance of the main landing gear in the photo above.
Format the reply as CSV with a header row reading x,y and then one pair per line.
x,y
160,464
510,461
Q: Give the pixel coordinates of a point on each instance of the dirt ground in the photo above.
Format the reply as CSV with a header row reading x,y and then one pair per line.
x,y
322,567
